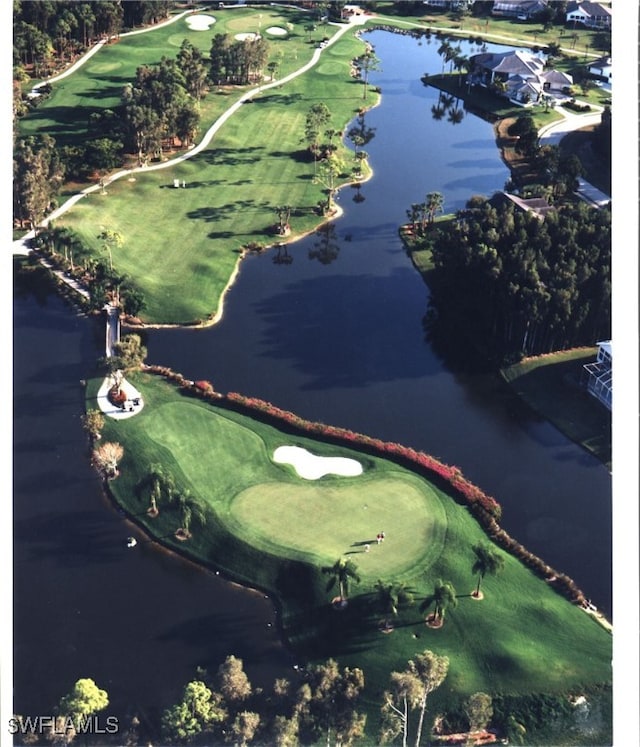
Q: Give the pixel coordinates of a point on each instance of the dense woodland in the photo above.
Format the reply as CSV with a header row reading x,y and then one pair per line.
x,y
506,283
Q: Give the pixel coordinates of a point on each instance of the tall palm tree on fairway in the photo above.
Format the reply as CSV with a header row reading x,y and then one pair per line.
x,y
190,508
391,597
443,597
487,561
342,572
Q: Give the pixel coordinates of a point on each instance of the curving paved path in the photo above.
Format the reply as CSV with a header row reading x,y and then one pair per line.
x,y
21,245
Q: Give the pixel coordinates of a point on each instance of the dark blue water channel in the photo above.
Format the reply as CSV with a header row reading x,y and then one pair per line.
x,y
339,341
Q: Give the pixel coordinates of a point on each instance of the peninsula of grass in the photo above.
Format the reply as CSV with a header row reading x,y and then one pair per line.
x,y
269,528
181,246
551,386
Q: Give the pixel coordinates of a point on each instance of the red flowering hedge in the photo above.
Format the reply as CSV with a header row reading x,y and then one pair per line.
x,y
486,509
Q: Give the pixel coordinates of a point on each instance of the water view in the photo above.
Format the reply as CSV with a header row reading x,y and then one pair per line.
x,y
335,334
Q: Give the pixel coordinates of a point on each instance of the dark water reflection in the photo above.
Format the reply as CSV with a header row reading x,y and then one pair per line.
x,y
137,621
341,342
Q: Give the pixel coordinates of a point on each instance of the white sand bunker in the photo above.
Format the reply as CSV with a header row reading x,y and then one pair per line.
x,y
200,23
277,31
311,467
242,37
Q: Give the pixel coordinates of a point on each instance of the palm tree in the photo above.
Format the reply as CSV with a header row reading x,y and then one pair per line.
x,y
161,486
391,597
190,508
434,204
487,561
342,572
443,597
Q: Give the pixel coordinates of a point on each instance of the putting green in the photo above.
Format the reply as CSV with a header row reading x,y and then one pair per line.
x,y
339,516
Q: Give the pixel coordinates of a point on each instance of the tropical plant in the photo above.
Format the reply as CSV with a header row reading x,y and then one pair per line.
x,y
443,597
190,508
487,561
110,240
392,596
342,572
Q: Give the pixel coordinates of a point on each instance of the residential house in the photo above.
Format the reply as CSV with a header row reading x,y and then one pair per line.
x,y
601,69
519,73
523,10
599,374
449,4
537,206
590,15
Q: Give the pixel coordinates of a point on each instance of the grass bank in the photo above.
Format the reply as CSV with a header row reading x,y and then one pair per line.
x,y
181,246
269,528
550,384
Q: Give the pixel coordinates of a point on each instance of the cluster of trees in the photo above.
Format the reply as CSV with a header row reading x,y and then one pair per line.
x,y
328,167
68,251
226,708
507,284
38,175
163,102
237,61
161,488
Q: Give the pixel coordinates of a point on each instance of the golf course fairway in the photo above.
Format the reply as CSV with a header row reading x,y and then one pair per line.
x,y
268,528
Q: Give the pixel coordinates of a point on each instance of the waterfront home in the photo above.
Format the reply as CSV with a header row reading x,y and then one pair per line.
x,y
523,10
601,69
518,74
599,374
589,15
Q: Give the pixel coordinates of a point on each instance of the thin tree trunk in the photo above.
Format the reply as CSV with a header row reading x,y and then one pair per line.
x,y
423,706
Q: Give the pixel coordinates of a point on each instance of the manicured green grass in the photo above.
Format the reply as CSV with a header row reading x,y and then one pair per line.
x,y
181,245
270,528
550,385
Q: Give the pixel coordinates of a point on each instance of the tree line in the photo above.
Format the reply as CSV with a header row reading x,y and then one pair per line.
x,y
506,284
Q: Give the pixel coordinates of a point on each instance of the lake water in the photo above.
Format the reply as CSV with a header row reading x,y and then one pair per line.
x,y
335,335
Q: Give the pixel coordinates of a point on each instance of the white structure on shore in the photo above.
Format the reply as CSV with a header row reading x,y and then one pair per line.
x,y
599,374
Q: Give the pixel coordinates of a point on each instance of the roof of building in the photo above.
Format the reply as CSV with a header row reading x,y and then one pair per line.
x,y
514,62
589,9
557,77
536,205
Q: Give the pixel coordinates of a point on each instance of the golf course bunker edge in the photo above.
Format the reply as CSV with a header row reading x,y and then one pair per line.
x,y
312,467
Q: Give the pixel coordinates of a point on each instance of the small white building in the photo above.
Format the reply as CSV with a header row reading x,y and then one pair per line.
x,y
599,374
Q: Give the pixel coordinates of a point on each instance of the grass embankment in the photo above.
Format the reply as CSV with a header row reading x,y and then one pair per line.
x,y
550,386
578,42
272,529
181,245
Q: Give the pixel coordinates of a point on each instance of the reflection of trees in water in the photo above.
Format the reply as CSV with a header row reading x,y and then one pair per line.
x,y
449,105
358,196
326,249
282,256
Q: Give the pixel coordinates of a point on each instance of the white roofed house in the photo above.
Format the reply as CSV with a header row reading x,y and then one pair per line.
x,y
599,374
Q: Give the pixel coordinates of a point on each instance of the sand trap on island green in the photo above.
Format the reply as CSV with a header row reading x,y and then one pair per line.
x,y
312,467
200,23
249,35
277,31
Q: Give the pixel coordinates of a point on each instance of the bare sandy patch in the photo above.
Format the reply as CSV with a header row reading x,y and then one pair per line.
x,y
247,35
200,22
312,467
277,31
